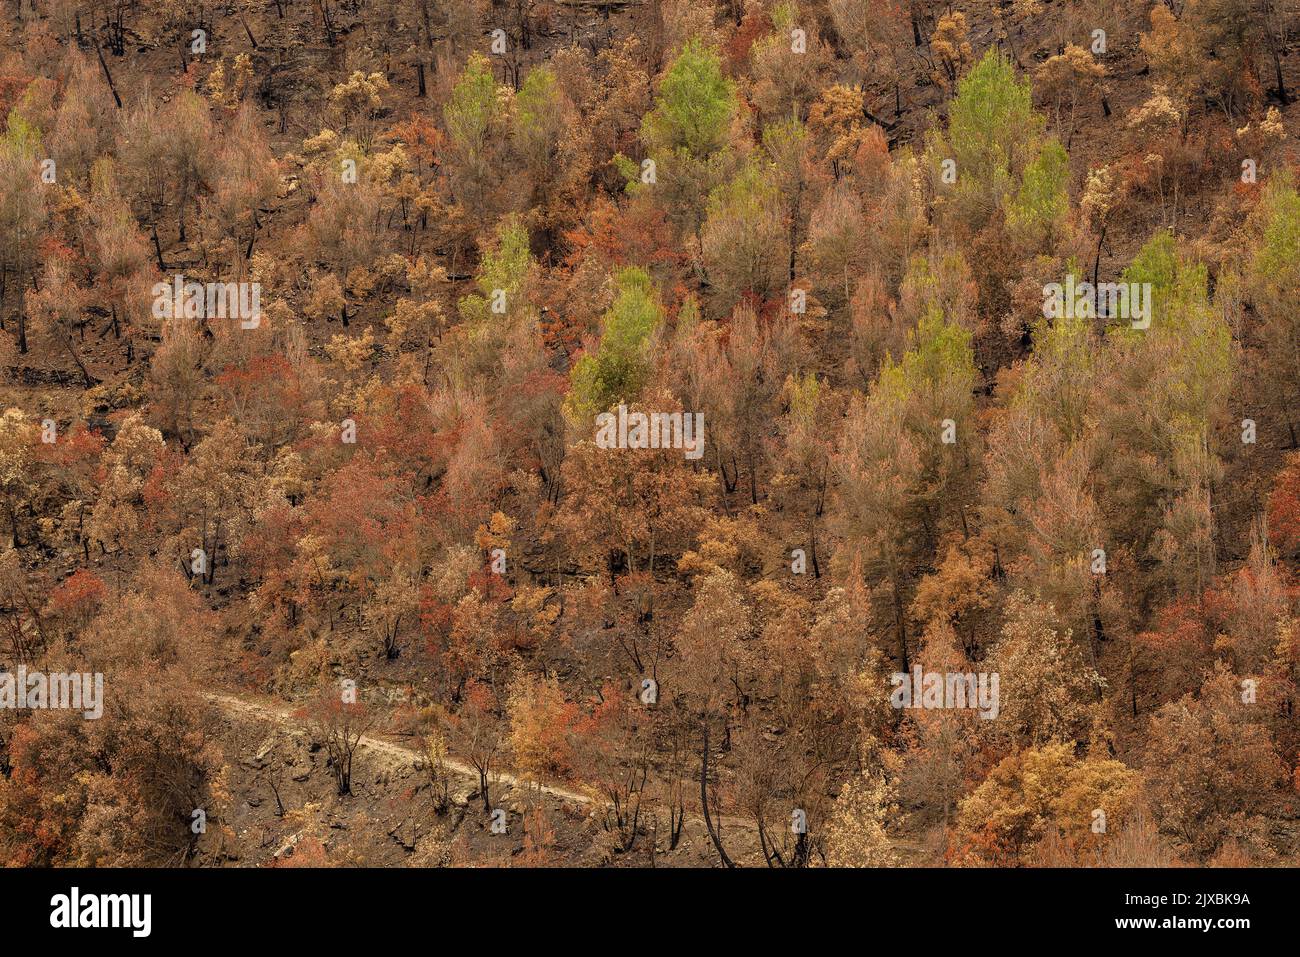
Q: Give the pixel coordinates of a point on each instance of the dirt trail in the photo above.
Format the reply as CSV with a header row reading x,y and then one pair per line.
x,y
283,717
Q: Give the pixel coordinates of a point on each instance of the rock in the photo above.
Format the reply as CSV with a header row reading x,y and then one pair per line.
x,y
258,760
403,835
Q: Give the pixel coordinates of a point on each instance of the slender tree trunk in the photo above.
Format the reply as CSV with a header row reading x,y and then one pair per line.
x,y
1096,259
704,798
108,76
157,250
